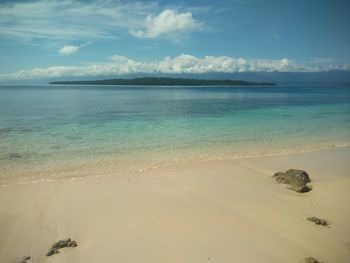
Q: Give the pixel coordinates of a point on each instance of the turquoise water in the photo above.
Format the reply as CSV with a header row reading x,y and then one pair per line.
x,y
52,132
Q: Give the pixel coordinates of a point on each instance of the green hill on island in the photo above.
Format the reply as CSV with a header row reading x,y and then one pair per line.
x,y
165,82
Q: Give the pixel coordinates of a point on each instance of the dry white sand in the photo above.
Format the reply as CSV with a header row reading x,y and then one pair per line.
x,y
218,211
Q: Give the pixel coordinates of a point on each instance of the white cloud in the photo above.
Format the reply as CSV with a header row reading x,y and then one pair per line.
x,y
180,64
68,50
191,64
168,21
79,20
70,19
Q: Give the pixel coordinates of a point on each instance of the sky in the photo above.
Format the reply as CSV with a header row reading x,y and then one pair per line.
x,y
46,39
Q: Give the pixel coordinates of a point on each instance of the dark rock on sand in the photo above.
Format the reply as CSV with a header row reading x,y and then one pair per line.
x,y
64,243
318,221
24,259
311,260
52,251
296,180
61,244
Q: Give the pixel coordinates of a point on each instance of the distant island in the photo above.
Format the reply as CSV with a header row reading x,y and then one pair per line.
x,y
165,82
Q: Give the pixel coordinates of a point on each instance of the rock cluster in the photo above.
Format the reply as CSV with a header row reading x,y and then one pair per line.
x,y
61,244
318,221
296,180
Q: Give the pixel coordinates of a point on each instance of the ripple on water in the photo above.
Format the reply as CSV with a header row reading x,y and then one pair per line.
x,y
10,156
9,130
16,156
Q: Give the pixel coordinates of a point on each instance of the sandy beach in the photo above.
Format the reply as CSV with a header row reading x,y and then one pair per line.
x,y
174,131
214,211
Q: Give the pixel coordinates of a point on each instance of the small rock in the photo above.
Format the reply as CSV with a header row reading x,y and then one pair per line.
x,y
61,244
52,252
25,259
296,180
311,260
73,244
318,221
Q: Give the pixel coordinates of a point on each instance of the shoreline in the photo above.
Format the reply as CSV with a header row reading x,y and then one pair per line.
x,y
213,211
111,170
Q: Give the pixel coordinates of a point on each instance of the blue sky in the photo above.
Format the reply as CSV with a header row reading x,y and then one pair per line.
x,y
45,38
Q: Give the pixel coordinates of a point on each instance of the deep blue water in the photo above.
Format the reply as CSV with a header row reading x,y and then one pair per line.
x,y
64,131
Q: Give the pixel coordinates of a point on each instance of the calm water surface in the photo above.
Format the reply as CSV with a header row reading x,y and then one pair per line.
x,y
51,132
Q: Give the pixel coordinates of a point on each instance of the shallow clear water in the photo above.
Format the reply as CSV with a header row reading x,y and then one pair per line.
x,y
50,132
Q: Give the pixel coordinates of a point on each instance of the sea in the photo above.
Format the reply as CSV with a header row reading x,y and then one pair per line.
x,y
50,132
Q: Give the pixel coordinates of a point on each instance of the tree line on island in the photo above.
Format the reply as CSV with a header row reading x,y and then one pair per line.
x,y
165,82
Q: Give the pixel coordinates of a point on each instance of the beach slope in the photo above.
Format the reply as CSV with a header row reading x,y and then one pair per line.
x,y
214,211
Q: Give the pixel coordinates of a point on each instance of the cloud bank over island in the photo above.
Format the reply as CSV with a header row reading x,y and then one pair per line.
x,y
184,63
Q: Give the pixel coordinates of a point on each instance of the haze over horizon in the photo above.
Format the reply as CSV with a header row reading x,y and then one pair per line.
x,y
45,39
